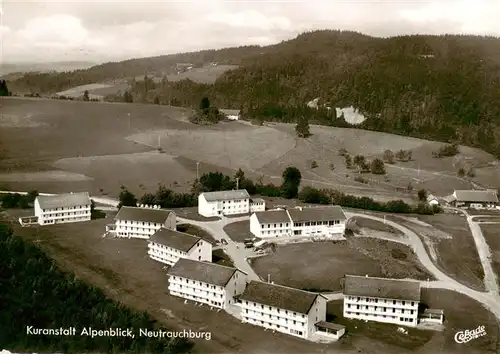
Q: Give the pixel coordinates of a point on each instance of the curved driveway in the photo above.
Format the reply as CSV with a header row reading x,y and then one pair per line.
x,y
490,300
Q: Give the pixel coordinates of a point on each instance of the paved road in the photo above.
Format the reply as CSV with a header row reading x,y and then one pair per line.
x,y
484,251
236,251
490,299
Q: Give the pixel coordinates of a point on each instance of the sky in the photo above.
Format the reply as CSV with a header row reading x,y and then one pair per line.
x,y
100,31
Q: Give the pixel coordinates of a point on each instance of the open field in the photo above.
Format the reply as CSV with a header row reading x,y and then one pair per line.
x,y
205,75
461,313
371,224
491,233
450,244
484,212
487,219
123,270
239,231
95,90
196,231
55,135
321,265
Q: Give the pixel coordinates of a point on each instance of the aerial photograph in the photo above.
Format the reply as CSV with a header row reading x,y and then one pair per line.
x,y
252,177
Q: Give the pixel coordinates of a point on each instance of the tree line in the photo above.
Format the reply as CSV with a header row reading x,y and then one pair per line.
x,y
290,188
35,292
444,88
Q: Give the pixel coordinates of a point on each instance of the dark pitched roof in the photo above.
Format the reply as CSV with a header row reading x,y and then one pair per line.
x,y
482,196
279,296
226,195
63,200
143,214
210,273
178,240
272,216
382,287
325,213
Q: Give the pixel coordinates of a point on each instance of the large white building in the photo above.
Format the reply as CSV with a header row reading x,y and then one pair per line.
x,y
292,311
271,223
168,246
382,300
224,203
325,221
207,283
62,208
134,222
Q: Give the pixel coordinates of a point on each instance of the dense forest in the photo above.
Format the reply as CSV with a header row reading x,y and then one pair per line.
x,y
34,292
444,88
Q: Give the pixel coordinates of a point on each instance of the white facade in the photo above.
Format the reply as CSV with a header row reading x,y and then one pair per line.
x,y
265,229
257,205
305,222
293,323
318,228
400,312
201,251
136,229
224,203
62,208
219,296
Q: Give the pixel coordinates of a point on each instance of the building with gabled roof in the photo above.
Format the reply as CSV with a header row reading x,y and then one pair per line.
x,y
62,208
284,309
221,203
475,199
168,246
381,299
143,222
324,221
205,282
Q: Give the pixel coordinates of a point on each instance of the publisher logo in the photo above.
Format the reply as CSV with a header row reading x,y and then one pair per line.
x,y
467,335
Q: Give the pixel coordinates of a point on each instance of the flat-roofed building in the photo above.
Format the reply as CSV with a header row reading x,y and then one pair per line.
x,y
168,246
205,282
284,309
381,299
62,208
135,222
224,203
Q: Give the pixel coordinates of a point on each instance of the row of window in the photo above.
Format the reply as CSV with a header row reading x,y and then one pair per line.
x,y
145,223
273,317
274,326
73,219
382,308
206,294
401,319
78,213
300,224
138,230
197,298
270,308
66,208
235,201
383,301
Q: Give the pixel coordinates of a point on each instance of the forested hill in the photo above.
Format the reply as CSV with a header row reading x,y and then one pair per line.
x,y
439,87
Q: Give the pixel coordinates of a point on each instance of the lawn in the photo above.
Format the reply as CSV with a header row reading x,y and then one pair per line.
x,y
123,270
483,212
192,214
321,265
461,312
196,231
456,256
373,225
491,233
239,231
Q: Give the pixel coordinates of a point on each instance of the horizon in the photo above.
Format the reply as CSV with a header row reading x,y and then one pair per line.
x,y
48,32
236,46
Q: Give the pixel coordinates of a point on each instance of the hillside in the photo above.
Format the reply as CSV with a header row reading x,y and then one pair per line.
x,y
438,87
